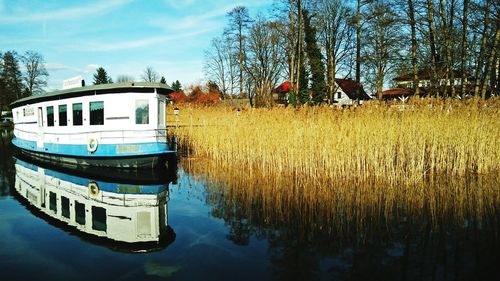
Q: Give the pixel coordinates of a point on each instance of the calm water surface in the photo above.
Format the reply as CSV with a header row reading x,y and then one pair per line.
x,y
206,233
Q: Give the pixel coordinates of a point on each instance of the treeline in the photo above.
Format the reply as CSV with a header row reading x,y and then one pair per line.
x,y
149,75
312,42
21,76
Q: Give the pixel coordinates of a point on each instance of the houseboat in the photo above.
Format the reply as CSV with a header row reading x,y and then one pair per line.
x,y
125,216
109,125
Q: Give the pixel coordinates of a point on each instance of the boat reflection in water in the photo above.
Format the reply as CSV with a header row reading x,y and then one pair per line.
x,y
123,212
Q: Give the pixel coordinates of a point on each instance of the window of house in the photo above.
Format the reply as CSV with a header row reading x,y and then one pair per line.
x,y
97,113
77,114
339,95
50,116
141,112
63,115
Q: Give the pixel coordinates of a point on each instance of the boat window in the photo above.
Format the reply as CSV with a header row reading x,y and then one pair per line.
x,y
53,201
161,113
50,116
40,117
97,113
77,114
141,112
98,218
65,207
63,116
80,213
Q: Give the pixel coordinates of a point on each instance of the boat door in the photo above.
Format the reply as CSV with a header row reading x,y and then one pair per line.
x,y
39,138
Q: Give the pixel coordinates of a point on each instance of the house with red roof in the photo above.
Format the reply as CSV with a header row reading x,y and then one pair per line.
x,y
348,92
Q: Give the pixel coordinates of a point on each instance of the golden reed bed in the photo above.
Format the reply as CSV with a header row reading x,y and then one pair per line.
x,y
391,143
348,169
274,201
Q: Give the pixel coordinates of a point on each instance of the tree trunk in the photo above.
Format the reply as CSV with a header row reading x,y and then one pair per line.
x,y
358,42
449,54
414,66
380,82
447,47
299,46
480,60
240,57
432,43
464,47
292,46
491,59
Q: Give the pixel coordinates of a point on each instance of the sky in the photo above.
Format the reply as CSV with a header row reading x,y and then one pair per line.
x,y
122,36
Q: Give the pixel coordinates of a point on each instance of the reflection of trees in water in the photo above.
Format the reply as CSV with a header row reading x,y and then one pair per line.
x,y
440,229
7,172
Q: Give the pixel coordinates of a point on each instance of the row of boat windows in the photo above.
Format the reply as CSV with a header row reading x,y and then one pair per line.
x,y
96,113
98,213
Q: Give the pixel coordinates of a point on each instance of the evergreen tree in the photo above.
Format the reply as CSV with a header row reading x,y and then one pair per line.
x,y
163,80
303,95
176,86
2,95
11,78
213,87
318,85
101,77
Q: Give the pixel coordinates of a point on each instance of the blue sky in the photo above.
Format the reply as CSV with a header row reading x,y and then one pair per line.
x,y
123,36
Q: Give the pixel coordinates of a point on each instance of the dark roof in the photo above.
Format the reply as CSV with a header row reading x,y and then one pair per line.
x,y
143,87
352,89
397,92
426,74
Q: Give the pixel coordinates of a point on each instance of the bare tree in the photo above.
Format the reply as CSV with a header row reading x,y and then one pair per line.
x,y
381,50
335,36
464,46
150,75
482,49
239,22
491,65
122,78
358,41
264,62
221,64
215,64
290,13
36,75
413,52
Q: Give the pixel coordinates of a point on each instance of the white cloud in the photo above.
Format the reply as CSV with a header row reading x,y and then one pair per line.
x,y
62,67
139,43
91,67
97,8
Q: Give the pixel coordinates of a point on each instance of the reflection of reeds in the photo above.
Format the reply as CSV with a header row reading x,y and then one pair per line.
x,y
268,200
374,141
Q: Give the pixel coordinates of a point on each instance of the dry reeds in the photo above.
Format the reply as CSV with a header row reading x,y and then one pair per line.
x,y
274,201
375,141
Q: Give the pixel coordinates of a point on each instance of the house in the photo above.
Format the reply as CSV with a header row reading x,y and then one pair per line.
x,y
281,93
401,94
348,91
424,79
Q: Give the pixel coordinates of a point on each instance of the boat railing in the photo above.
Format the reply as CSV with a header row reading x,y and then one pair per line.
x,y
118,136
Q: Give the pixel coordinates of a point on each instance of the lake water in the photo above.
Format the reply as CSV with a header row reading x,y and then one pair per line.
x,y
59,224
